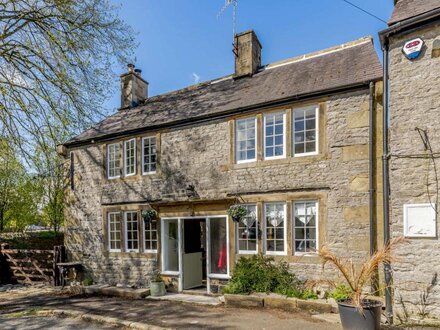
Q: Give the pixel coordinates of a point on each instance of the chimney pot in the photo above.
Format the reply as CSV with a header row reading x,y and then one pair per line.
x,y
138,72
130,68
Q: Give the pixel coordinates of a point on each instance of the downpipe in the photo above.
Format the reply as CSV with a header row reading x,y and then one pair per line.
x,y
385,171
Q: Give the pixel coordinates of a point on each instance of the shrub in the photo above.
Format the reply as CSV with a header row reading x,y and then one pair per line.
x,y
341,292
261,274
87,281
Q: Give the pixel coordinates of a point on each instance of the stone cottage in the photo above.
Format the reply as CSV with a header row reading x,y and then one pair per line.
x,y
296,142
411,46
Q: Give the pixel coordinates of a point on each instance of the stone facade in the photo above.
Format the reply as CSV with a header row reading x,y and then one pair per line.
x,y
414,103
201,156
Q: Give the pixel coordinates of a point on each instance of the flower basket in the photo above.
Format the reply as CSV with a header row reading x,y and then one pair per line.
x,y
237,212
149,215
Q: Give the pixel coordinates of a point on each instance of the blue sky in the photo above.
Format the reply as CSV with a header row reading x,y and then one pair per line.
x,y
182,42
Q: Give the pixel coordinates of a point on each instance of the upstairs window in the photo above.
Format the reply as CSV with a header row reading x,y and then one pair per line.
x,y
245,140
149,155
114,232
274,135
130,157
305,226
131,232
305,131
113,161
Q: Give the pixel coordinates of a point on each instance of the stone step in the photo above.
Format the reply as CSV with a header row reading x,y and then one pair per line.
x,y
113,291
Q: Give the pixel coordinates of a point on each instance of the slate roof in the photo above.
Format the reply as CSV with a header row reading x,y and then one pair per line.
x,y
405,9
345,65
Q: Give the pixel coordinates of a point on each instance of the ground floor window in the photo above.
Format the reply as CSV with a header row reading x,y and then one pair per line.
x,y
150,236
114,231
305,226
170,251
275,228
131,232
247,231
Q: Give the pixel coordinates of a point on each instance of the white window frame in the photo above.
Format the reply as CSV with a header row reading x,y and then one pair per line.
x,y
108,161
208,248
143,154
250,252
126,232
316,227
236,141
125,157
284,135
274,253
179,251
316,152
109,232
144,242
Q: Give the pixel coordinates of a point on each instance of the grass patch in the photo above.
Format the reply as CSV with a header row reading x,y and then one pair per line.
x,y
15,315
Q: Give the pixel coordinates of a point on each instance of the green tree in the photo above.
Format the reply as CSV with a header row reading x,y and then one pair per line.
x,y
19,193
55,60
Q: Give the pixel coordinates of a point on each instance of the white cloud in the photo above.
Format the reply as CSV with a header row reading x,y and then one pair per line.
x,y
195,77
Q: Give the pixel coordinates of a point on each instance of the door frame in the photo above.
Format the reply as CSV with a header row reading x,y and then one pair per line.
x,y
180,235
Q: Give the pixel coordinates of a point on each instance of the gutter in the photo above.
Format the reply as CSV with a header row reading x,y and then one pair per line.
x,y
408,24
221,115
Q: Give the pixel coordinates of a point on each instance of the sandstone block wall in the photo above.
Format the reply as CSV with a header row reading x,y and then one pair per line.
x,y
414,102
200,156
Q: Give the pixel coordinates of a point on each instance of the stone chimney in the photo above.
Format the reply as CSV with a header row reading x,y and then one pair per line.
x,y
134,89
247,50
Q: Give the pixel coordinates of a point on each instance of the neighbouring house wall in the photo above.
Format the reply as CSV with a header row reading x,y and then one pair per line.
x,y
201,155
414,102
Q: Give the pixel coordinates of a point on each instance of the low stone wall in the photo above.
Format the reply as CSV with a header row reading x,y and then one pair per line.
x,y
280,302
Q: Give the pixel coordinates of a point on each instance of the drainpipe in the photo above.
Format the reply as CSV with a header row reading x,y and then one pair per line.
x,y
371,172
385,158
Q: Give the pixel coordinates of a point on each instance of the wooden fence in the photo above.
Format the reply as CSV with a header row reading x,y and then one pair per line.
x,y
31,266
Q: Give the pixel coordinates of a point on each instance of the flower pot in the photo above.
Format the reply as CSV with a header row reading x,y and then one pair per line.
x,y
157,289
352,319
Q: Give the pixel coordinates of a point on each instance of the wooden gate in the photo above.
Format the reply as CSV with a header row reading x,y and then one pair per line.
x,y
30,266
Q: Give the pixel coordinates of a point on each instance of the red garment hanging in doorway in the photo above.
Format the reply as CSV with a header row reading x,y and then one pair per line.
x,y
221,264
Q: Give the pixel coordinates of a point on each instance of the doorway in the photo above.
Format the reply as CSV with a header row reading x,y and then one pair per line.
x,y
194,254
196,250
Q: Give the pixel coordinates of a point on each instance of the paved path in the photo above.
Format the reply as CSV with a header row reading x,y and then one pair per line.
x,y
165,313
40,322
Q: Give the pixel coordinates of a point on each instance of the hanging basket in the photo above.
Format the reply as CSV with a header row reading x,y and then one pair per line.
x,y
237,212
149,216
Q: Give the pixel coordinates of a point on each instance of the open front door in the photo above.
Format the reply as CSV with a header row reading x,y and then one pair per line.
x,y
192,253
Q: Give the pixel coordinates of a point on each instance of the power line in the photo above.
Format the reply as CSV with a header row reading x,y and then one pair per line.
x,y
365,11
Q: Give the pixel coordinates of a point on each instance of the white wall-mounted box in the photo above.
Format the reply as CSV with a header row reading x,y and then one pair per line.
x,y
419,220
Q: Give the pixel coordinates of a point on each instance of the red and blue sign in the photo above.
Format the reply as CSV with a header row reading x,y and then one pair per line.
x,y
413,48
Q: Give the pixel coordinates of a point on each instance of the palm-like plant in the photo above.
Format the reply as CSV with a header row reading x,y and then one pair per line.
x,y
358,277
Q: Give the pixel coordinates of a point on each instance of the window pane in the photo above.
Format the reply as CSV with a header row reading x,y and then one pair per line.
x,y
275,222
130,157
131,228
274,138
247,230
113,160
170,246
245,139
218,247
305,230
149,150
305,131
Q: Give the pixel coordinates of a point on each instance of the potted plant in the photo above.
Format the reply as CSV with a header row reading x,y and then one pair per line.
x,y
157,285
149,215
237,212
357,312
